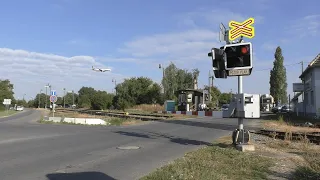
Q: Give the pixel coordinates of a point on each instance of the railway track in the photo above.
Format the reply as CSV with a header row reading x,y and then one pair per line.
x,y
139,116
313,137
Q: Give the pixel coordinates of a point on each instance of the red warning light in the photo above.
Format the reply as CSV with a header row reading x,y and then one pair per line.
x,y
244,50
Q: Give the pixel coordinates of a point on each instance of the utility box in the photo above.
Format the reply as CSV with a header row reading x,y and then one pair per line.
x,y
189,98
169,105
248,105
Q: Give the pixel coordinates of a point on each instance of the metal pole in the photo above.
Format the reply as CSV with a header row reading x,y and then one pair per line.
x,y
39,98
209,86
163,76
303,81
115,85
50,94
46,98
72,98
289,101
64,97
240,119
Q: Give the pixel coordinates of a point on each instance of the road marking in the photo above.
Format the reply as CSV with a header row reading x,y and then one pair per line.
x,y
14,140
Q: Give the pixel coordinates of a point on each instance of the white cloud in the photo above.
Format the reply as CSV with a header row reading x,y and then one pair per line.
x,y
306,26
269,46
30,71
213,17
172,45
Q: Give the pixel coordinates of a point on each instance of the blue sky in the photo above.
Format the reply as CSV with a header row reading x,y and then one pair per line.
x,y
57,41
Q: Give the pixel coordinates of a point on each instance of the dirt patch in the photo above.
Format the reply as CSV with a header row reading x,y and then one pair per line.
x,y
282,126
288,156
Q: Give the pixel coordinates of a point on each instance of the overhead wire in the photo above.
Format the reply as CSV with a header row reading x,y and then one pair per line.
x,y
286,65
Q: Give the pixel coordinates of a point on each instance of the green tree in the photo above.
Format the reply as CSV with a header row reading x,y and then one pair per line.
x,y
84,101
225,98
136,91
69,98
42,99
101,100
59,100
30,103
175,79
85,96
278,78
6,91
215,95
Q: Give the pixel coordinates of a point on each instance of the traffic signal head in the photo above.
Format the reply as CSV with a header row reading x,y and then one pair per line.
x,y
218,62
238,56
217,55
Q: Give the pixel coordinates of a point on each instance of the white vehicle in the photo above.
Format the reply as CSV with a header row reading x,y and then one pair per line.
x,y
100,70
19,108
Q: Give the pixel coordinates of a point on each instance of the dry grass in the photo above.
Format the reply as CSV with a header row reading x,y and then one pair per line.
x,y
272,159
282,126
303,156
220,161
122,121
148,107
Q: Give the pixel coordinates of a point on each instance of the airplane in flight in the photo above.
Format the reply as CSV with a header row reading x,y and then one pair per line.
x,y
100,70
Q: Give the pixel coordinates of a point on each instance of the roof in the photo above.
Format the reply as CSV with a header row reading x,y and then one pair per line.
x,y
190,90
314,63
296,96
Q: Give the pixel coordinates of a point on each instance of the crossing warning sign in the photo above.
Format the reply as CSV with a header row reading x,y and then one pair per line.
x,y
241,29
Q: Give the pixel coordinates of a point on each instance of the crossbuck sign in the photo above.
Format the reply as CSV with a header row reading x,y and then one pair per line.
x,y
241,29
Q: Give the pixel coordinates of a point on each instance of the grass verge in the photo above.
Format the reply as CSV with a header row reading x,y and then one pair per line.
x,y
272,159
122,121
219,161
308,163
311,169
7,113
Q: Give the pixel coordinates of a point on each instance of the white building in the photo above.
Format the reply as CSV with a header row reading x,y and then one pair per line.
x,y
309,102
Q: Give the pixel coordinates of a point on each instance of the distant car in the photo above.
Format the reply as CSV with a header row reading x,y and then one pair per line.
x,y
285,109
225,107
276,109
19,108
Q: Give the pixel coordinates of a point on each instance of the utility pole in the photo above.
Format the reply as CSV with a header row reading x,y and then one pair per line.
x,y
47,86
39,97
23,97
64,97
209,86
72,98
303,81
163,76
115,85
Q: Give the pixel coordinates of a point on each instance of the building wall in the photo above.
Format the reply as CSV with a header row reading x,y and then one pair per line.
x,y
312,92
317,90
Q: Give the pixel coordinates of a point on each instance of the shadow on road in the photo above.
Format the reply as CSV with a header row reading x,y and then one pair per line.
x,y
134,134
202,124
79,176
154,135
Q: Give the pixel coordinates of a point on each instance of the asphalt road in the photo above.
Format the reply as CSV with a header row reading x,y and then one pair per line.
x,y
32,151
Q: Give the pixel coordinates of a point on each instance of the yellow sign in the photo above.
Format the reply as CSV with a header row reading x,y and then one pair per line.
x,y
241,29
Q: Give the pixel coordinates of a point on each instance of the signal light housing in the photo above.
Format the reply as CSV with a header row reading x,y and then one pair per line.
x,y
218,62
238,56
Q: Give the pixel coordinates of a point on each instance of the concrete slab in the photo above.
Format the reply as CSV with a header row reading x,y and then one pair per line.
x,y
245,147
80,120
96,122
55,119
69,120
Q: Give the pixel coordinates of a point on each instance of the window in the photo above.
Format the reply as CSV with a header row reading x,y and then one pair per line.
x,y
311,98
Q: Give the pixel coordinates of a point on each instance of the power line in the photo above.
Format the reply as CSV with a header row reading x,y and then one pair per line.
x,y
267,69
